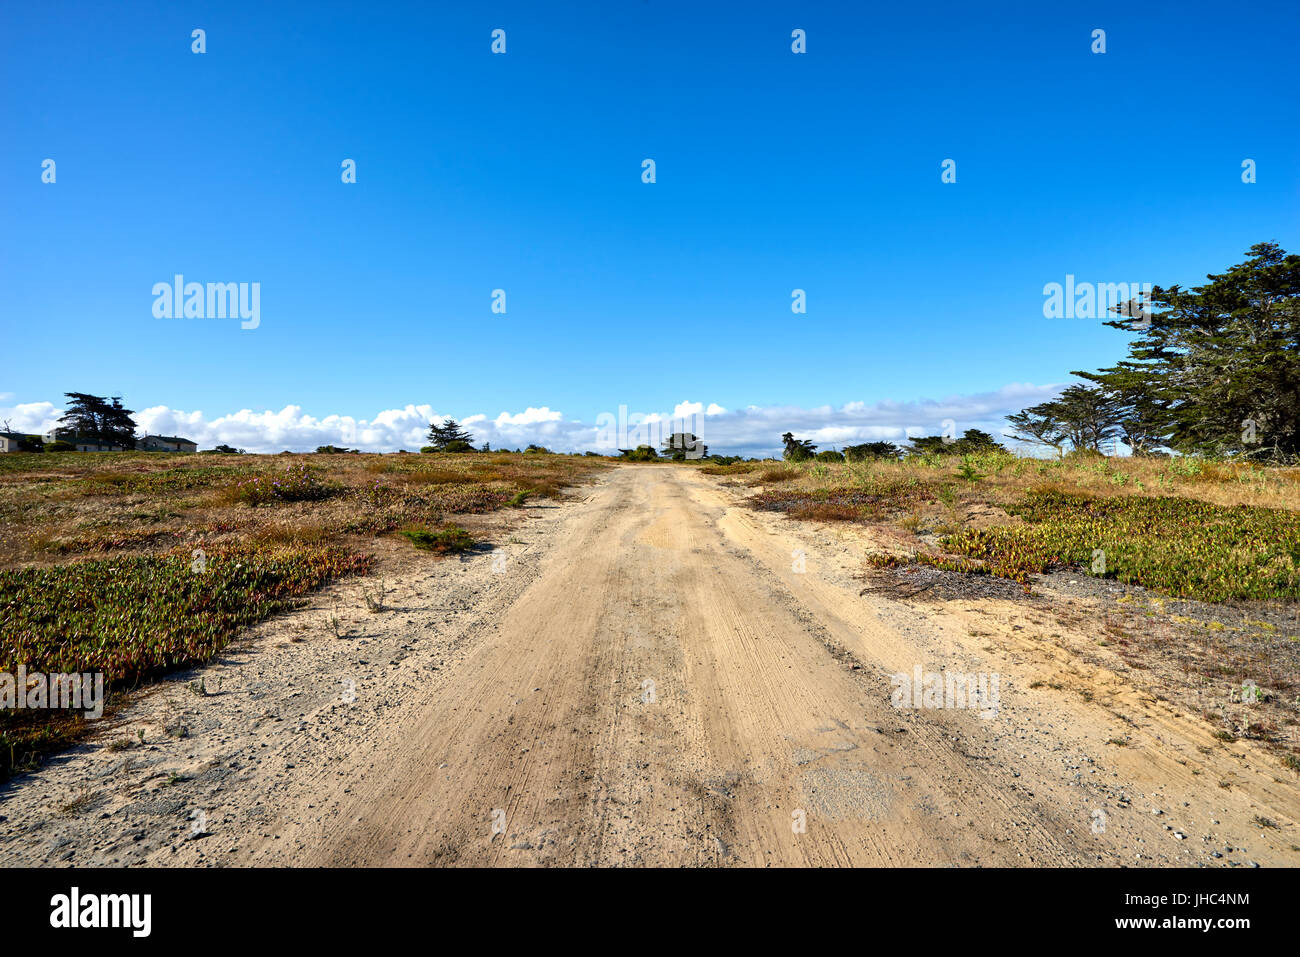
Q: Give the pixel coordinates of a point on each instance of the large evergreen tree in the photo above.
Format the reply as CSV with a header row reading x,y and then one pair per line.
x,y
1221,362
1040,424
442,437
1215,371
1087,417
97,419
119,427
82,417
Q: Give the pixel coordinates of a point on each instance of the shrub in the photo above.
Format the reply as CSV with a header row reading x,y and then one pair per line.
x,y
829,455
445,541
731,467
868,451
1080,456
377,494
31,443
298,483
775,474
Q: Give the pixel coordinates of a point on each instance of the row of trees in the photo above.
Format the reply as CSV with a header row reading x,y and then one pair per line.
x,y
678,447
971,441
686,445
1214,370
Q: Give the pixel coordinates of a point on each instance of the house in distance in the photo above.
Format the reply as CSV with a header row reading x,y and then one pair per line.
x,y
165,443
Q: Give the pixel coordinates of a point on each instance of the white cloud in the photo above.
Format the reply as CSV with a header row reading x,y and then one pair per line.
x,y
35,418
753,430
530,416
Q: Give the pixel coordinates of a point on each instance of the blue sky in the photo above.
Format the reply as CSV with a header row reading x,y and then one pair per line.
x,y
522,172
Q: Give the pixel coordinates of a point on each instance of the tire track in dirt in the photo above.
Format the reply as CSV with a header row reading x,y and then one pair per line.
x,y
755,722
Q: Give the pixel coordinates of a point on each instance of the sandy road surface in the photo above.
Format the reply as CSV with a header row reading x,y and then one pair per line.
x,y
658,679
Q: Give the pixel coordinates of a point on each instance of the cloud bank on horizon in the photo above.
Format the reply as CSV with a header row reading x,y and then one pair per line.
x,y
751,431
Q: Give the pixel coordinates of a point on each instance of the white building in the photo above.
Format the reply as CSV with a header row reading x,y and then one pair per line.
x,y
9,441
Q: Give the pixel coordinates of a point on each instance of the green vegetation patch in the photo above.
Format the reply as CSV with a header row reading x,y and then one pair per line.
x,y
444,541
115,540
133,618
1179,546
468,499
156,481
297,483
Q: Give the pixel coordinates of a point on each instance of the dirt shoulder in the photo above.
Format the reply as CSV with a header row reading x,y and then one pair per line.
x,y
234,751
657,676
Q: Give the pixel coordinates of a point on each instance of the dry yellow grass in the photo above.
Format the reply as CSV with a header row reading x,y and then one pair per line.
x,y
1004,478
56,508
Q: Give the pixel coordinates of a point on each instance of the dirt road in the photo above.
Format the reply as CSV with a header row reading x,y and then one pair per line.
x,y
655,676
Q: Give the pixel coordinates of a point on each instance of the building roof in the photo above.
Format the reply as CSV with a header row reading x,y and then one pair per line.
x,y
170,438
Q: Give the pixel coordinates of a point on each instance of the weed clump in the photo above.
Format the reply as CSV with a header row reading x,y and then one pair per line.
x,y
297,483
448,540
